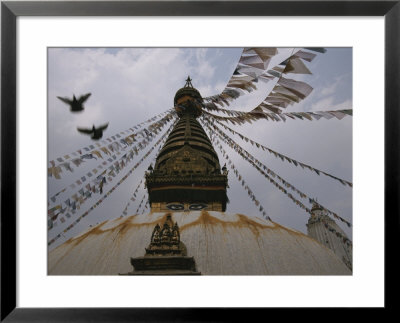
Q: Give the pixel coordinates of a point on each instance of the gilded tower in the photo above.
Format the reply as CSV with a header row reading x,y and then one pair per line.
x,y
187,175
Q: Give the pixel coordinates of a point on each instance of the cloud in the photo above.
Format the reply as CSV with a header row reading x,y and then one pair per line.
x,y
328,104
127,86
328,90
332,88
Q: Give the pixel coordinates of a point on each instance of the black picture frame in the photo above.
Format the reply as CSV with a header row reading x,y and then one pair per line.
x,y
10,10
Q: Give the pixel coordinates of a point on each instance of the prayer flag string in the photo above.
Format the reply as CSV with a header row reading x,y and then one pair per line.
x,y
338,234
135,192
81,199
268,173
241,180
252,67
283,157
132,198
116,151
258,114
140,204
107,148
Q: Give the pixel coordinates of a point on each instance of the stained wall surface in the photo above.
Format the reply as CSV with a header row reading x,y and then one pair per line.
x,y
221,243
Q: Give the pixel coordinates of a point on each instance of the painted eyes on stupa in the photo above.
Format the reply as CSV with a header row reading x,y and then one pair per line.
x,y
197,207
181,207
175,207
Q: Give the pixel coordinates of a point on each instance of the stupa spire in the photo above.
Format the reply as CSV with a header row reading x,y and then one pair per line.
x,y
187,174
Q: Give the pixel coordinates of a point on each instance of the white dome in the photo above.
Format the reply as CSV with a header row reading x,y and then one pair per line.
x,y
221,244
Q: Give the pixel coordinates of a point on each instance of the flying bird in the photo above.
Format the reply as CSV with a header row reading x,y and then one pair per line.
x,y
96,133
76,104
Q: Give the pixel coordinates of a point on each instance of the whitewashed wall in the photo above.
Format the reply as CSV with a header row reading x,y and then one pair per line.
x,y
222,244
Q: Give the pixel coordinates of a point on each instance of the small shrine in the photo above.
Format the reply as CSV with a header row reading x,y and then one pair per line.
x,y
166,253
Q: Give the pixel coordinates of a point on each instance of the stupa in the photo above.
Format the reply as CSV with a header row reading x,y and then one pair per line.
x,y
188,191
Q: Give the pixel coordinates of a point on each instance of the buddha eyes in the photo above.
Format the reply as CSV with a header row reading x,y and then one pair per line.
x,y
180,207
175,207
198,206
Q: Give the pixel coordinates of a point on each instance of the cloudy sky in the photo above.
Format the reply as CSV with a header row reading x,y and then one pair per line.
x,y
130,85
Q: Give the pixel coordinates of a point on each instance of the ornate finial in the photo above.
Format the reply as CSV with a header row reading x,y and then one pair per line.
x,y
188,82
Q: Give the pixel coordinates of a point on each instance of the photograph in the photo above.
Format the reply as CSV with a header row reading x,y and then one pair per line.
x,y
199,161
204,146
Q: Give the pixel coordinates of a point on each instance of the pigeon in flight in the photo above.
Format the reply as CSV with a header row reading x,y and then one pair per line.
x,y
76,104
96,133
